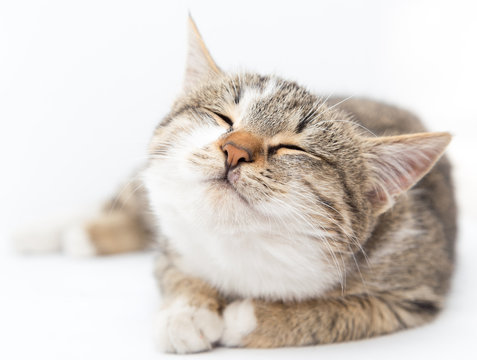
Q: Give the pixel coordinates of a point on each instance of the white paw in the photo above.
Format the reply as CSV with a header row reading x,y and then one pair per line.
x,y
181,328
77,242
38,239
239,321
56,233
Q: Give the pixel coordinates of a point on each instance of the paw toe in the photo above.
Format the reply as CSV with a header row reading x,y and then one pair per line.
x,y
239,321
181,328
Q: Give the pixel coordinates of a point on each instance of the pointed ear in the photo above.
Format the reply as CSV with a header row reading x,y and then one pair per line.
x,y
398,162
199,64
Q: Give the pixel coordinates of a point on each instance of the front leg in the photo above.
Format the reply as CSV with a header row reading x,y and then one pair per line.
x,y
260,324
190,319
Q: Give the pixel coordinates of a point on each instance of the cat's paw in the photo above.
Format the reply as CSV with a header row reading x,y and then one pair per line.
x,y
72,239
181,328
44,238
239,321
77,242
61,233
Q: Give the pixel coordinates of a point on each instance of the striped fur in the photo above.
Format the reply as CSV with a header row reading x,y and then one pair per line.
x,y
327,231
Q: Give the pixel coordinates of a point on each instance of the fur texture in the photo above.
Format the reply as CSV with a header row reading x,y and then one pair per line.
x,y
285,218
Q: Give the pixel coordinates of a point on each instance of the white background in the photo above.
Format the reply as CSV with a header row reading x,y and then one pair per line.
x,y
82,85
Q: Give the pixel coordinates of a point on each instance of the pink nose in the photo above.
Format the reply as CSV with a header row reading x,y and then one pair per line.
x,y
240,147
236,154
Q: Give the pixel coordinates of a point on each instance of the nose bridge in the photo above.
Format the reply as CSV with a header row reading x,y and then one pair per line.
x,y
240,146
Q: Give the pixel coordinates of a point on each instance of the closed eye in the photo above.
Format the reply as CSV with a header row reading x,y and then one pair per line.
x,y
220,118
226,119
273,149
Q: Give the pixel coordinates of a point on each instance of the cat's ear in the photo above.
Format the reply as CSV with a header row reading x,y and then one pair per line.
x,y
199,65
398,162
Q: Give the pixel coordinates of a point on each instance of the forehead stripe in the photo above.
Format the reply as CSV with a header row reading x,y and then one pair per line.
x,y
304,121
238,94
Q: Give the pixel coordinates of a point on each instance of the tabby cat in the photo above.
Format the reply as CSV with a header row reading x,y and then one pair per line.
x,y
283,218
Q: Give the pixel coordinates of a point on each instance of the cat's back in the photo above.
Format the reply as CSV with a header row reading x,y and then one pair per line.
x,y
380,118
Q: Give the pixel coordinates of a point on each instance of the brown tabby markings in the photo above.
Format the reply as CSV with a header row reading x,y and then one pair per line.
x,y
395,263
174,283
125,223
335,319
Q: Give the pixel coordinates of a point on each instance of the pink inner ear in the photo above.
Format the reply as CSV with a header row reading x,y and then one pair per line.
x,y
398,162
413,165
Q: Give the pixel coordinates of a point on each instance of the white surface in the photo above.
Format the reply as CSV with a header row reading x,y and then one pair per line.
x,y
82,85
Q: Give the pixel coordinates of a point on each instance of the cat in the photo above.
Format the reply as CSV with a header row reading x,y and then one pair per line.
x,y
283,218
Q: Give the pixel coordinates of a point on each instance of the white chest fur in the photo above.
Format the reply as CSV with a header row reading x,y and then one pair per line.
x,y
256,260
252,264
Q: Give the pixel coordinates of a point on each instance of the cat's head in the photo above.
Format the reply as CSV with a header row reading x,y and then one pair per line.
x,y
244,151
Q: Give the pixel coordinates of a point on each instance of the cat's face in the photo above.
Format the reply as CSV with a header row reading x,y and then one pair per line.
x,y
260,147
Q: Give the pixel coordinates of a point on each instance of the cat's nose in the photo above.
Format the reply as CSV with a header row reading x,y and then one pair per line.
x,y
235,154
239,147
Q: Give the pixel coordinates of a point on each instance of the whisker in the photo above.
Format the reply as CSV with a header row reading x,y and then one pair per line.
x,y
335,105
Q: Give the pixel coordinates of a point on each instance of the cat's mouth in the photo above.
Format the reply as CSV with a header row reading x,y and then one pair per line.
x,y
223,184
